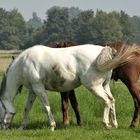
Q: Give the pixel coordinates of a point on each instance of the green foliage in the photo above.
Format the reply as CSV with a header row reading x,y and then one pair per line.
x,y
57,27
107,28
136,23
35,21
83,27
12,29
67,24
86,27
127,27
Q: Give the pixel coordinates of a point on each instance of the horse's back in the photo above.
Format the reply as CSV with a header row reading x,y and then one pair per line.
x,y
43,52
60,68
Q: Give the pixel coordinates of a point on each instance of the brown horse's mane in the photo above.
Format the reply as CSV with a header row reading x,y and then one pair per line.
x,y
121,46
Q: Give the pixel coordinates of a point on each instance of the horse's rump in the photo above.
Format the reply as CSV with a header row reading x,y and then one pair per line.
x,y
121,57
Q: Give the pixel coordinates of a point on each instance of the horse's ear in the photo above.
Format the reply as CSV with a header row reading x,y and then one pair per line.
x,y
13,57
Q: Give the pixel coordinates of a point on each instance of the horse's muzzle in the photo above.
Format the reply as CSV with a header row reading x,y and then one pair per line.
x,y
4,125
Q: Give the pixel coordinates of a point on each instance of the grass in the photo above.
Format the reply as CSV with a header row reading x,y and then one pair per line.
x,y
91,109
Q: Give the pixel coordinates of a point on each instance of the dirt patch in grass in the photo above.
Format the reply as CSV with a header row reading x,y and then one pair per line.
x,y
4,62
6,58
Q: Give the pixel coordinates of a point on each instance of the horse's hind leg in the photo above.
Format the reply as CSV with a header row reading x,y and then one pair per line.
x,y
135,119
39,90
29,103
135,92
112,109
64,105
100,92
74,104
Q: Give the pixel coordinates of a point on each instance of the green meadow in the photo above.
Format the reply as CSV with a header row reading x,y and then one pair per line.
x,y
91,108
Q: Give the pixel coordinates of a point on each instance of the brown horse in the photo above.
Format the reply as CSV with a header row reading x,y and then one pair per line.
x,y
128,74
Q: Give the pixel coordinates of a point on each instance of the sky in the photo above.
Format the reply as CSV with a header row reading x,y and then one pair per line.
x,y
27,7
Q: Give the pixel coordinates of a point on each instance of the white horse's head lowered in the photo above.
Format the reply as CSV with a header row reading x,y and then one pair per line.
x,y
3,108
40,68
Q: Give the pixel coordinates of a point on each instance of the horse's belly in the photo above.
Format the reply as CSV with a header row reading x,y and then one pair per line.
x,y
62,85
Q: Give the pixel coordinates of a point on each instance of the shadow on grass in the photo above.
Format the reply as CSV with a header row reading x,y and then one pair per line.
x,y
42,125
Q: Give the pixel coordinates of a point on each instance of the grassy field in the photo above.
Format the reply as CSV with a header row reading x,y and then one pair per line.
x,y
91,109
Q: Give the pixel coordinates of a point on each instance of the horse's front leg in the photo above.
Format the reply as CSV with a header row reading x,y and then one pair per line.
x,y
29,103
64,105
39,90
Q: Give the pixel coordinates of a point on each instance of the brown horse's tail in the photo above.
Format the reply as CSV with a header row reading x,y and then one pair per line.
x,y
110,59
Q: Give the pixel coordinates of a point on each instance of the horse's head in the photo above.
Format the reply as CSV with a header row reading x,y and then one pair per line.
x,y
3,104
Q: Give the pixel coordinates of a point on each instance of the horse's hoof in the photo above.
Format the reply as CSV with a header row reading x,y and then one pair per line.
x,y
66,123
4,125
20,128
53,126
115,125
132,126
109,127
1,125
79,123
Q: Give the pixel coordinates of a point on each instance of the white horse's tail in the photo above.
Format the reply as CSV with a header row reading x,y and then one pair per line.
x,y
109,58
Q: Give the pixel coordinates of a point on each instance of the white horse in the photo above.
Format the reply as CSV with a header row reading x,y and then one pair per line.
x,y
40,68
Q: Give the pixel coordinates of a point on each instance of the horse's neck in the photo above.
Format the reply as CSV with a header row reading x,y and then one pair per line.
x,y
11,87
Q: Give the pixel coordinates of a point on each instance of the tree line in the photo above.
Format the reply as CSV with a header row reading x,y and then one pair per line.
x,y
67,24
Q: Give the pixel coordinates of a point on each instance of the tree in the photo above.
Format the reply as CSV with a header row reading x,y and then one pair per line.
x,y
63,24
107,28
127,27
12,29
73,12
57,27
101,28
136,23
83,27
35,21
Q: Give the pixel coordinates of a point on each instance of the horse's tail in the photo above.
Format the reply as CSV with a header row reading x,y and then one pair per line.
x,y
110,59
